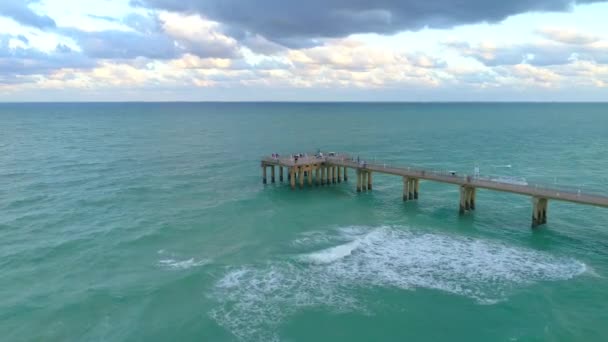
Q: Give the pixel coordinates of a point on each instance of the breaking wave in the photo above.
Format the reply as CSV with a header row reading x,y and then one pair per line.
x,y
253,300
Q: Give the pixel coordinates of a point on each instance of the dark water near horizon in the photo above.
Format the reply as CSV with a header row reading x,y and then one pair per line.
x,y
149,222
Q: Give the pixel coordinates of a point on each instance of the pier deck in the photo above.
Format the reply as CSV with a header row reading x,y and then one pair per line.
x,y
328,170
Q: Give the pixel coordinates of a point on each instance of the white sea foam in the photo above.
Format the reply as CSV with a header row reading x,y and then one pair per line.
x,y
182,264
311,238
254,300
332,254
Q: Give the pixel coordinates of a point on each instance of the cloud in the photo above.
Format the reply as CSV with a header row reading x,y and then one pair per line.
x,y
568,36
18,63
531,75
20,11
163,37
539,54
198,36
351,63
123,44
284,22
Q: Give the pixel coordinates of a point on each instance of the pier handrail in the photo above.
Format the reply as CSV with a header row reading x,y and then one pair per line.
x,y
570,194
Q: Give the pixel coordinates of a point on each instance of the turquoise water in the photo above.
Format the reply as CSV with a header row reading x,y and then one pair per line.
x,y
149,222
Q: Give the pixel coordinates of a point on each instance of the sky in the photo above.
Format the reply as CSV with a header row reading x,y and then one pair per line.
x,y
313,50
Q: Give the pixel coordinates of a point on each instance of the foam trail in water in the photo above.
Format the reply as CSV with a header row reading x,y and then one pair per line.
x,y
182,264
254,300
332,254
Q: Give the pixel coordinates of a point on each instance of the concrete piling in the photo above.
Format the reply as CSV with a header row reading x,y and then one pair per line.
x,y
309,177
467,199
539,211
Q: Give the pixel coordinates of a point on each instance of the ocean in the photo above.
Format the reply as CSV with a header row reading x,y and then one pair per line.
x,y
150,222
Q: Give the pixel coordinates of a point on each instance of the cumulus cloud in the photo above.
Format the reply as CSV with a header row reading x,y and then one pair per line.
x,y
568,35
348,62
282,21
539,54
18,62
20,11
166,36
115,44
198,36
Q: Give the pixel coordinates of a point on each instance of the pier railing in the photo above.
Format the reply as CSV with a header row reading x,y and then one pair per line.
x,y
577,190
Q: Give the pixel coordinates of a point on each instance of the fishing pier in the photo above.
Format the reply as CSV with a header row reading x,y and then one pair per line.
x,y
322,170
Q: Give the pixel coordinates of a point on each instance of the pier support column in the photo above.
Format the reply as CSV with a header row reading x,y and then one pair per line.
x,y
416,188
301,177
335,178
272,178
539,212
264,174
369,181
310,176
467,199
340,174
317,176
363,180
406,183
472,198
322,175
358,180
345,174
292,178
281,174
411,186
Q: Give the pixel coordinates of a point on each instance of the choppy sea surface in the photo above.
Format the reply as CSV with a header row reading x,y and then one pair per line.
x,y
150,222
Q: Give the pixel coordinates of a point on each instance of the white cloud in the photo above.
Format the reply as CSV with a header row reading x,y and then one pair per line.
x,y
198,36
568,35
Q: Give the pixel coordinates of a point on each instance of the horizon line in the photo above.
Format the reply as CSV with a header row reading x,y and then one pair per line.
x,y
312,101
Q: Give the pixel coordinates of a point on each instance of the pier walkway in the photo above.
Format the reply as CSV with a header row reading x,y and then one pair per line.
x,y
325,170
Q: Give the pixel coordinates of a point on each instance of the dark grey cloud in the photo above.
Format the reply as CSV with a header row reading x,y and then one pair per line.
x,y
115,44
286,22
20,11
147,39
18,63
